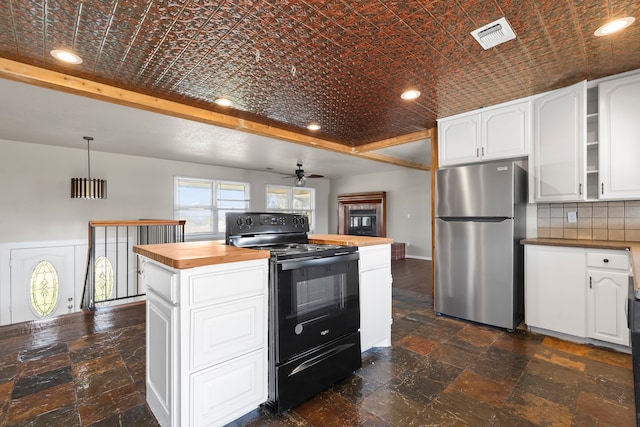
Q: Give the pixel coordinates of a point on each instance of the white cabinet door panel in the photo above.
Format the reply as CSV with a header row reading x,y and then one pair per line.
x,y
226,330
619,106
505,131
222,392
607,306
559,144
555,289
459,140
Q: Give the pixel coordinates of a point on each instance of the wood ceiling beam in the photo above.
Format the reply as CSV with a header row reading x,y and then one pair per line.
x,y
30,74
397,140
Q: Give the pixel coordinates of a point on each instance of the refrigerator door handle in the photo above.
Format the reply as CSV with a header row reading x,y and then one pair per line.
x,y
475,219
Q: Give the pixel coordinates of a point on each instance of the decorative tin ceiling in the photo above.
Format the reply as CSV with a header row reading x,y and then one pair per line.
x,y
342,64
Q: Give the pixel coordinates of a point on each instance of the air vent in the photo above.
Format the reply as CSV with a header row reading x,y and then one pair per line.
x,y
494,33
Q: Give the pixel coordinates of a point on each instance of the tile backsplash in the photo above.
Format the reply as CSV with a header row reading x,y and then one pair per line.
x,y
595,220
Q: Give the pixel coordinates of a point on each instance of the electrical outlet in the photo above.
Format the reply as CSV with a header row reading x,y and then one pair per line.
x,y
407,244
572,217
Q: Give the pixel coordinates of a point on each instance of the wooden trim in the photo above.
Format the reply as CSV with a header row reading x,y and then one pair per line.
x,y
397,140
54,80
393,160
36,76
136,222
434,168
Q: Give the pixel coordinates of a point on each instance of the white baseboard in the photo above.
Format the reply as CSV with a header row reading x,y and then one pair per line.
x,y
418,257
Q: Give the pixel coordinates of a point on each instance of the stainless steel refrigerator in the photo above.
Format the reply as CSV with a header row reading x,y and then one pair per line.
x,y
479,262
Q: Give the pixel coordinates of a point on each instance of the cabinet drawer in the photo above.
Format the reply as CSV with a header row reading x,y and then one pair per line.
x,y
224,331
374,256
608,260
227,391
228,284
161,280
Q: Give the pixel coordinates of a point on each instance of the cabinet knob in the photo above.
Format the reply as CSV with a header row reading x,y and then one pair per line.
x,y
606,260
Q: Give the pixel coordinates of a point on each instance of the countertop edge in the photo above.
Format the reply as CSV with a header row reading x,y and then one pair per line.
x,y
183,256
349,240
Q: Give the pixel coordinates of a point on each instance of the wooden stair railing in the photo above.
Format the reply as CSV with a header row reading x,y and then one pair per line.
x,y
112,268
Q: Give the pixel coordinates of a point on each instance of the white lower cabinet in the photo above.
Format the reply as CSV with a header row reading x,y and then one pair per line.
x,y
375,296
206,341
555,296
577,293
608,275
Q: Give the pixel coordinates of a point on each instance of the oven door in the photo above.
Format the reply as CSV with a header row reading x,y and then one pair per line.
x,y
316,301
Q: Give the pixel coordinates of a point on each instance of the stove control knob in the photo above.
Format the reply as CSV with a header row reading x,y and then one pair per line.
x,y
240,221
295,220
298,329
302,220
249,221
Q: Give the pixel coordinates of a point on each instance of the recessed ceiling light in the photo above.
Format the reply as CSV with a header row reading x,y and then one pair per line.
x,y
223,102
66,56
614,26
410,94
313,126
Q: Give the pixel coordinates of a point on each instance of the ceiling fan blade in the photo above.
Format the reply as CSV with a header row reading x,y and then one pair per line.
x,y
313,175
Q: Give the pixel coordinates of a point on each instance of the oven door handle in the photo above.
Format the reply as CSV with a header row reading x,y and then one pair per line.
x,y
313,261
320,358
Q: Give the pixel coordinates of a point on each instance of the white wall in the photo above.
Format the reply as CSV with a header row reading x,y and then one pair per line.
x,y
408,205
35,185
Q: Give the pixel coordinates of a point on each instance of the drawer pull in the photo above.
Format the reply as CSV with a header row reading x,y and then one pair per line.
x,y
606,260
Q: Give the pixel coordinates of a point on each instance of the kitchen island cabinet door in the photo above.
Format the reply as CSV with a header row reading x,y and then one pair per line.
x,y
555,291
162,342
559,145
619,107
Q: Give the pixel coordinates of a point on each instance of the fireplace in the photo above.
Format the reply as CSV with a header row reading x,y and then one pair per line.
x,y
362,214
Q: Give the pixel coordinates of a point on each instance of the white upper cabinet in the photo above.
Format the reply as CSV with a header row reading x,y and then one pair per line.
x,y
619,110
496,132
459,140
559,143
506,131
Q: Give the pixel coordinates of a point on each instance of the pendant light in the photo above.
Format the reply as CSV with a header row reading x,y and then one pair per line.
x,y
88,188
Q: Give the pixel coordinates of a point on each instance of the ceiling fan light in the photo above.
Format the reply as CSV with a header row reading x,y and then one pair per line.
x,y
299,182
614,26
313,126
66,56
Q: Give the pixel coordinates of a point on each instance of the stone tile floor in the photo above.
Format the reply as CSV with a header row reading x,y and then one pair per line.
x,y
88,370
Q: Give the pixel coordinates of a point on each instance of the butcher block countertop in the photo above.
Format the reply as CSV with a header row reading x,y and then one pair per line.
x,y
197,254
633,247
348,240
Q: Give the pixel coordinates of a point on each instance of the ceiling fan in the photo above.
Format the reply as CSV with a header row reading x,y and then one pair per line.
x,y
300,177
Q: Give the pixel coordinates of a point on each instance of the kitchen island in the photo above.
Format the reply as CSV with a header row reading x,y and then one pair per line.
x,y
207,319
206,331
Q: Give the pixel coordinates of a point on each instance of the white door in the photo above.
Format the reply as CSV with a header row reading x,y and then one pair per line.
x,y
42,283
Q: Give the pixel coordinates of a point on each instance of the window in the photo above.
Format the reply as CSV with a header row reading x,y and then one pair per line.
x,y
103,279
292,200
43,288
204,202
